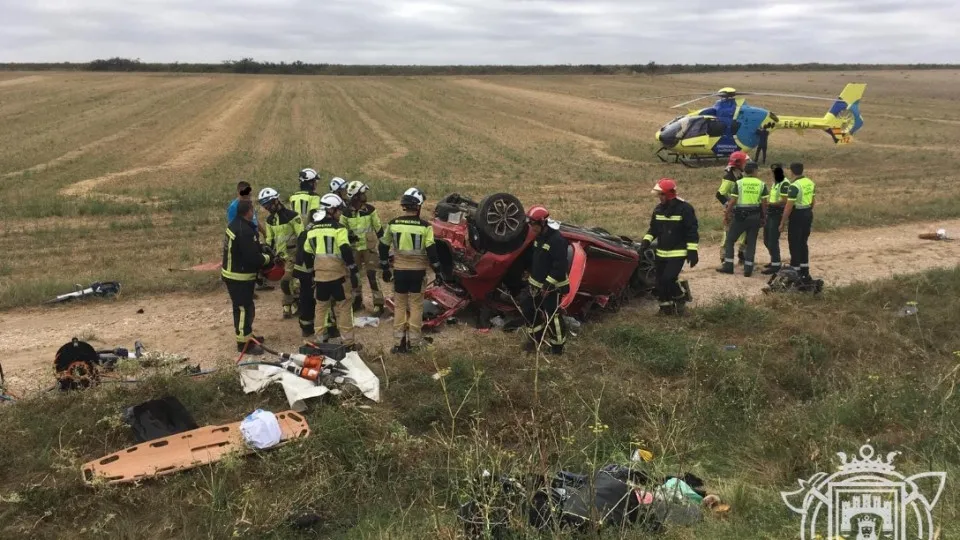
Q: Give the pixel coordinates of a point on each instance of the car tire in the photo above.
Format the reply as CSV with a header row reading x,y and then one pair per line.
x,y
500,218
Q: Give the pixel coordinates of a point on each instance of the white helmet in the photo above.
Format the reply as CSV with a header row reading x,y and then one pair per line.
x,y
308,175
317,216
355,187
266,195
330,201
336,183
412,197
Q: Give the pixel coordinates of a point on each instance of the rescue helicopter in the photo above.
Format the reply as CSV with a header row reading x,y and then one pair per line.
x,y
708,136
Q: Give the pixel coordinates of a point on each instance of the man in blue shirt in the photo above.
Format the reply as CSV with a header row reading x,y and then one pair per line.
x,y
244,191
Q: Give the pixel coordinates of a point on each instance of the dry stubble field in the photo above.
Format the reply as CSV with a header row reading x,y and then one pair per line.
x,y
121,177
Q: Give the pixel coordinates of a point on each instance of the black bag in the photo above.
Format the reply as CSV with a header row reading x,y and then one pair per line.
x,y
158,418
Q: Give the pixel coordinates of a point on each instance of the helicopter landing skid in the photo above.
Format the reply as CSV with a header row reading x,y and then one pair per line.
x,y
694,162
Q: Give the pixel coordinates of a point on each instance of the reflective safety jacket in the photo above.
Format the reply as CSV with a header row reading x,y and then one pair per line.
x,y
329,246
778,196
549,263
282,230
674,227
412,242
242,256
748,194
305,203
730,177
303,261
801,193
365,226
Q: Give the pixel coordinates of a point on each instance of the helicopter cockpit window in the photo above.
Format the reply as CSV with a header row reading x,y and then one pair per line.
x,y
693,127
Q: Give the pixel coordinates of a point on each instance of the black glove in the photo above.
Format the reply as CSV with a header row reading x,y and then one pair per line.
x,y
645,245
354,278
352,238
267,250
387,274
692,257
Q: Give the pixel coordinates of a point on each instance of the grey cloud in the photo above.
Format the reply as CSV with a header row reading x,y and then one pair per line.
x,y
482,31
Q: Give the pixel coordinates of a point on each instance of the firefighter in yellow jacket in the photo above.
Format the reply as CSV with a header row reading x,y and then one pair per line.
x,y
414,249
333,263
283,228
363,221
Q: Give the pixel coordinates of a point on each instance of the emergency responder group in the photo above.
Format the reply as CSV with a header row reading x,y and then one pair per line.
x,y
320,248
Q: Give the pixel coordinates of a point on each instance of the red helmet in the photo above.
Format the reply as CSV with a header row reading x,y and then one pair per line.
x,y
667,186
537,213
275,271
737,159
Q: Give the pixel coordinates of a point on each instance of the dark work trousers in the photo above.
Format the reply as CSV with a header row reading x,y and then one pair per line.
x,y
668,279
543,314
308,304
244,311
771,236
743,222
801,221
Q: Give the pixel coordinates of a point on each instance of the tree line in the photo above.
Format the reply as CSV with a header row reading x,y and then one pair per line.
x,y
249,65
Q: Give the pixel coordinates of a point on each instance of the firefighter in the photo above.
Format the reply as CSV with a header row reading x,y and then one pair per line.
x,y
414,249
798,212
548,282
303,271
243,258
771,230
363,222
732,173
338,186
333,263
306,201
674,226
746,213
283,228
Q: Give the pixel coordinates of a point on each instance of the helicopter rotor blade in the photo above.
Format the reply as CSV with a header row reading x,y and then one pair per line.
x,y
785,95
691,101
674,95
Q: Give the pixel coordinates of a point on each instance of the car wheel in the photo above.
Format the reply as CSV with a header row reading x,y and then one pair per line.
x,y
500,218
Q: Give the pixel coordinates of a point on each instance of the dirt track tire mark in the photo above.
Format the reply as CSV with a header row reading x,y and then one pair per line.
x,y
22,80
80,151
214,136
838,257
398,150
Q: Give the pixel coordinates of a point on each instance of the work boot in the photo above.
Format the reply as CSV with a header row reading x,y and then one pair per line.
x,y
748,271
401,348
687,295
252,349
770,270
358,303
287,312
307,332
667,309
727,268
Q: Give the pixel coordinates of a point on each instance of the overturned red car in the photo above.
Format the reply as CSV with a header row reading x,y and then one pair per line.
x,y
484,252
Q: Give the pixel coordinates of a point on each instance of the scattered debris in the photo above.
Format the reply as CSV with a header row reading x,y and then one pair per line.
x,y
158,418
106,289
363,322
261,429
140,311
910,308
183,451
789,280
941,234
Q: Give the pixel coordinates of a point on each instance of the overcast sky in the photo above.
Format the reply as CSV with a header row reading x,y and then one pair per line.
x,y
483,31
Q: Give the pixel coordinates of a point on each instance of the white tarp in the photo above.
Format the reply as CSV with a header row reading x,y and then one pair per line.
x,y
298,389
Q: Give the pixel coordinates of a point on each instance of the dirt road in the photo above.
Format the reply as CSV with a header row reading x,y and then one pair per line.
x,y
199,326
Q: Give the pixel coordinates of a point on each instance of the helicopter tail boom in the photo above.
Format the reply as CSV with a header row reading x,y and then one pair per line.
x,y
841,121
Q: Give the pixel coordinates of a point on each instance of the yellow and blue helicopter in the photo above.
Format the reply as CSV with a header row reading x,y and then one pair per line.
x,y
708,136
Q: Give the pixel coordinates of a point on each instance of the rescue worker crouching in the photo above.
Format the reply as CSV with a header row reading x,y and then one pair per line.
x,y
674,226
733,172
363,223
243,258
412,241
746,213
333,262
283,228
548,281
